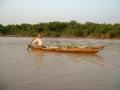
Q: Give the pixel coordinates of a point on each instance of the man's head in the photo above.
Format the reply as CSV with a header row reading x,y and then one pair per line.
x,y
39,35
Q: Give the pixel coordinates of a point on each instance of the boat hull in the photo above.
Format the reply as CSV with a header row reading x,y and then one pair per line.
x,y
73,50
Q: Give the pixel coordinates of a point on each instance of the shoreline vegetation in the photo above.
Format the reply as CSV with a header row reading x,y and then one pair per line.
x,y
70,29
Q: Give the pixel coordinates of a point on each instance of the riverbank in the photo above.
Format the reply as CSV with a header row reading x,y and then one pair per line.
x,y
64,29
62,37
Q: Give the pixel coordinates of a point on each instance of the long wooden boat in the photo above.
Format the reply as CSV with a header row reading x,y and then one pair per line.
x,y
73,50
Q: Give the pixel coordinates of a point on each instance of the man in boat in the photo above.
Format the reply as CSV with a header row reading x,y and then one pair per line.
x,y
37,41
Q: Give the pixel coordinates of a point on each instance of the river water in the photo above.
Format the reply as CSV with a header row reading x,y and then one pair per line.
x,y
34,70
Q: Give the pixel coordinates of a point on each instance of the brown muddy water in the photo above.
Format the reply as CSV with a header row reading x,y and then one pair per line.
x,y
34,70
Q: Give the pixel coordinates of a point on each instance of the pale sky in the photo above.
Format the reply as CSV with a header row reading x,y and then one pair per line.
x,y
36,11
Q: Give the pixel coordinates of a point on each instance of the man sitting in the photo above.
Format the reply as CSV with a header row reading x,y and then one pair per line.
x,y
37,41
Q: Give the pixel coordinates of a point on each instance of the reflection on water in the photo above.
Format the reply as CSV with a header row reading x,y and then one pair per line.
x,y
37,70
73,57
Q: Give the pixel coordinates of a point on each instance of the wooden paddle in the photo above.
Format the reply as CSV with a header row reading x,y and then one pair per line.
x,y
29,45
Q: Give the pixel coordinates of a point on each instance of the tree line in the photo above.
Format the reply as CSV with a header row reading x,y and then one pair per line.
x,y
63,29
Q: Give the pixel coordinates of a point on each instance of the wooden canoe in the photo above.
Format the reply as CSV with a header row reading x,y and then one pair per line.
x,y
73,50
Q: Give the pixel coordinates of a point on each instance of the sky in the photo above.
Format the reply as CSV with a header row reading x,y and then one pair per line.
x,y
36,11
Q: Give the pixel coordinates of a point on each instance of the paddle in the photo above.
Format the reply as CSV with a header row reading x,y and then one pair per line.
x,y
29,45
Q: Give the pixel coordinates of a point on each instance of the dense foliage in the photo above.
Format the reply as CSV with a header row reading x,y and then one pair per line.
x,y
63,29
